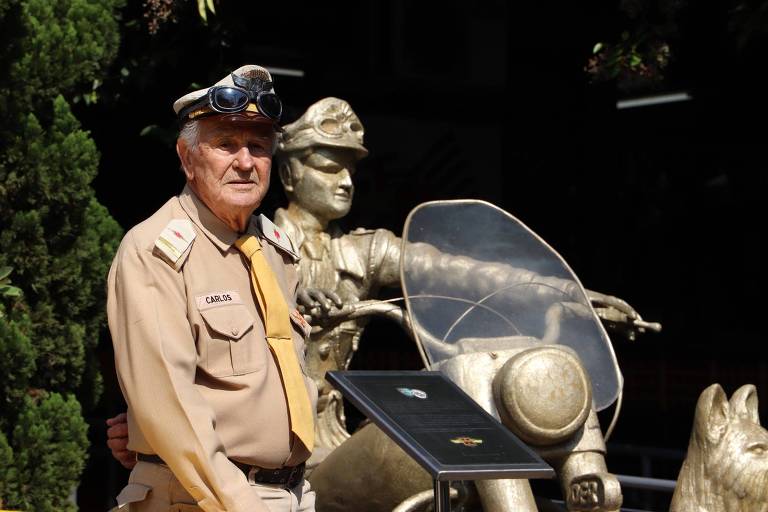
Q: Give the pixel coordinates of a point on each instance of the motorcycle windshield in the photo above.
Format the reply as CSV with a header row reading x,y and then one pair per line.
x,y
477,279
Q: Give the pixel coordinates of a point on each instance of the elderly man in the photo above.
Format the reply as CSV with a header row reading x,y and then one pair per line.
x,y
202,310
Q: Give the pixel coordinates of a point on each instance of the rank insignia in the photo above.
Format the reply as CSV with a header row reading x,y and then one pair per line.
x,y
300,322
467,441
277,236
174,241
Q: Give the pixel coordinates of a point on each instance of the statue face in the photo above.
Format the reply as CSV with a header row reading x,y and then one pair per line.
x,y
323,182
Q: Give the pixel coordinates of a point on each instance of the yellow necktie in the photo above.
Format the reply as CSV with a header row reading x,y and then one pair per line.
x,y
277,325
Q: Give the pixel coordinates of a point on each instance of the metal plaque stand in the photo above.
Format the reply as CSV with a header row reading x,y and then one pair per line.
x,y
442,496
441,427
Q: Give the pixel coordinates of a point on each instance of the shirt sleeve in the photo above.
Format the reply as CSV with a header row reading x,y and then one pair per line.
x,y
156,361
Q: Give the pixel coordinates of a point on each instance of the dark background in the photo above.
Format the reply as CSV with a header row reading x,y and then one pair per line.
x,y
663,205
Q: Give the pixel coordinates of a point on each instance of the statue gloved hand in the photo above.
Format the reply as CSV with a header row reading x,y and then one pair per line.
x,y
320,307
618,315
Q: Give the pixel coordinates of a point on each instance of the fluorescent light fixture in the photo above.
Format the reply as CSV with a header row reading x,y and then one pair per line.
x,y
299,73
647,101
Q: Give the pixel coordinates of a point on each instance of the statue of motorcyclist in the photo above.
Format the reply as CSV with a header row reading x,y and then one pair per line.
x,y
317,157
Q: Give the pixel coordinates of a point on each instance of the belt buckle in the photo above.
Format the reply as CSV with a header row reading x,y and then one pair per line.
x,y
294,471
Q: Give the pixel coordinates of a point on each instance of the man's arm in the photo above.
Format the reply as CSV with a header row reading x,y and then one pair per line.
x,y
156,362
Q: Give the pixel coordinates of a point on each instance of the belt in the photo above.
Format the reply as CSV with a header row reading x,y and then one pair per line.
x,y
288,477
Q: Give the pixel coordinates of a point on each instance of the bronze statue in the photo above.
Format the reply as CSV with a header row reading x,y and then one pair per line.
x,y
726,469
317,157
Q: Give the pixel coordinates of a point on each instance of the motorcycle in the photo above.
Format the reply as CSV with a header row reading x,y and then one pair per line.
x,y
491,305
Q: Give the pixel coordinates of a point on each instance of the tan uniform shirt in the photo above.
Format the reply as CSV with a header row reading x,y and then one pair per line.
x,y
192,359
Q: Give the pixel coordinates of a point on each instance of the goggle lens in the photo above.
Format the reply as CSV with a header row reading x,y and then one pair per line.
x,y
270,105
229,99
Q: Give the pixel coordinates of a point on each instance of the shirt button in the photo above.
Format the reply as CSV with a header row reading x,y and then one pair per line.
x,y
235,330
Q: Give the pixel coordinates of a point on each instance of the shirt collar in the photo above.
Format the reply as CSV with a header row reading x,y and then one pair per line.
x,y
214,228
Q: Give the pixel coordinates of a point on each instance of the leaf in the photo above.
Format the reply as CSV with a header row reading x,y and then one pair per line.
x,y
209,3
10,291
201,10
5,272
596,49
148,130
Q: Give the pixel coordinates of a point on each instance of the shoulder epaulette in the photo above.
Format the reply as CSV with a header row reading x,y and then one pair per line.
x,y
174,242
277,237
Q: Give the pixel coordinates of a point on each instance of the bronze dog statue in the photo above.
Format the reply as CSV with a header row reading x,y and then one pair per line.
x,y
726,469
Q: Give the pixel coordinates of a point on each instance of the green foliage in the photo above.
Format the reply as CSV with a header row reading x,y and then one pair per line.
x,y
7,471
203,6
639,57
634,60
67,43
58,240
6,288
56,237
17,363
42,479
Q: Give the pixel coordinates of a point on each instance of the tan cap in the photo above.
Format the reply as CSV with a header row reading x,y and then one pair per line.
x,y
330,122
249,71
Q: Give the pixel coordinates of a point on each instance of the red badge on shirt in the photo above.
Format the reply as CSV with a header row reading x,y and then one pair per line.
x,y
302,324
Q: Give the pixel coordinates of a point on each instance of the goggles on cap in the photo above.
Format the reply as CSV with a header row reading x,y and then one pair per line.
x,y
228,99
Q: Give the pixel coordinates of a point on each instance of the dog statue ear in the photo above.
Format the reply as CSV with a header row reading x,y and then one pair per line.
x,y
712,414
744,403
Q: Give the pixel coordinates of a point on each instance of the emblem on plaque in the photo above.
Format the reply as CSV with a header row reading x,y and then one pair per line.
x,y
467,441
413,393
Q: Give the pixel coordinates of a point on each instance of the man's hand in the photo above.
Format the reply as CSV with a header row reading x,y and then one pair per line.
x,y
319,306
117,440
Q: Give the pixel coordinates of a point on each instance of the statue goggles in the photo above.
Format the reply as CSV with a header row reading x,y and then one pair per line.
x,y
240,97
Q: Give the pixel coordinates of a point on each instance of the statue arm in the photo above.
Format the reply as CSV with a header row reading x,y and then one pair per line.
x,y
385,258
619,316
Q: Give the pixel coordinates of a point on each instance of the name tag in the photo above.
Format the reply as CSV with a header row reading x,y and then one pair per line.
x,y
216,299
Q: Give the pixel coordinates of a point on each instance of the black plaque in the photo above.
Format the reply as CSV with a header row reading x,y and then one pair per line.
x,y
439,425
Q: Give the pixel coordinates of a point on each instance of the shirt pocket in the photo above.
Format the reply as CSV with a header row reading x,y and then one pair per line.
x,y
131,493
234,344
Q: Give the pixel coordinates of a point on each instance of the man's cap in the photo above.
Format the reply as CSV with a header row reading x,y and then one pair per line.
x,y
330,122
249,71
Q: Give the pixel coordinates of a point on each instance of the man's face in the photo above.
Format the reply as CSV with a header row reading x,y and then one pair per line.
x,y
323,182
229,167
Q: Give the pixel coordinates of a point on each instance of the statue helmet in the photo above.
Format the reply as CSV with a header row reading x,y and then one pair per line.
x,y
330,122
